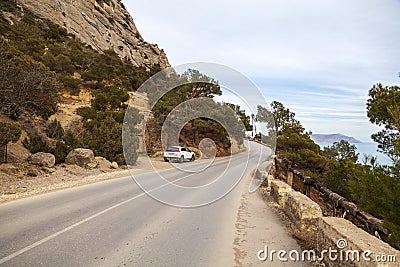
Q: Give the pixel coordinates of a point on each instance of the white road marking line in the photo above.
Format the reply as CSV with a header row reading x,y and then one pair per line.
x,y
48,238
19,252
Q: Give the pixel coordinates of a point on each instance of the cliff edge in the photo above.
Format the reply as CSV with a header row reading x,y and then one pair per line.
x,y
102,24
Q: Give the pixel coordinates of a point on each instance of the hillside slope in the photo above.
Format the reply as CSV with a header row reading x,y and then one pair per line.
x,y
102,24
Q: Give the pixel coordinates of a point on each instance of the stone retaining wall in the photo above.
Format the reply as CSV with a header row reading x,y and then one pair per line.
x,y
344,240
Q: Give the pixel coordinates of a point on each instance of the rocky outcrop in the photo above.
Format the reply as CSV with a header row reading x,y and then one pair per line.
x,y
102,24
279,191
103,163
42,159
82,157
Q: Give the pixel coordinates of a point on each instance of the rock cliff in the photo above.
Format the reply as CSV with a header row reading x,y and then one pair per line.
x,y
102,24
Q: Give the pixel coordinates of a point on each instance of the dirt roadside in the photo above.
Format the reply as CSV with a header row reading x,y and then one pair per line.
x,y
15,185
259,226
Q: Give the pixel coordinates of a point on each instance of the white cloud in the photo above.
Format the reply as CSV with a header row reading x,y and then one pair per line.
x,y
311,53
335,39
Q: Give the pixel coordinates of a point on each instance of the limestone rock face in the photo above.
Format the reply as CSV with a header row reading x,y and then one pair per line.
x,y
102,24
42,159
82,157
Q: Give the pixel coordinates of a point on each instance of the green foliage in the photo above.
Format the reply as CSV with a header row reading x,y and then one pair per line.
x,y
26,86
55,130
71,84
109,67
71,141
384,110
207,87
302,151
9,132
242,116
341,151
293,142
110,98
340,176
191,89
262,114
280,119
38,60
34,46
66,143
103,132
380,186
195,85
89,113
374,189
60,63
282,116
60,152
394,238
103,124
35,143
108,133
8,5
29,35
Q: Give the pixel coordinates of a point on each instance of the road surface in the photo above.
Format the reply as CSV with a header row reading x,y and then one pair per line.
x,y
114,223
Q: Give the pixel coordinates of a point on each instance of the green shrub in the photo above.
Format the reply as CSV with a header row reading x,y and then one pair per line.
x,y
36,63
28,85
104,137
9,132
68,142
35,144
55,130
60,152
70,83
87,112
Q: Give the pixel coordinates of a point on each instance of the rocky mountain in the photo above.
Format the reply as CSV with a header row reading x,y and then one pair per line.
x,y
102,24
331,138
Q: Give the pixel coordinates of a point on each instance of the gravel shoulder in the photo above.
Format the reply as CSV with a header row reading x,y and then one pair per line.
x,y
259,225
19,181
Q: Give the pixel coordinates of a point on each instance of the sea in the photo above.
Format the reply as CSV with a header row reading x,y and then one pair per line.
x,y
369,149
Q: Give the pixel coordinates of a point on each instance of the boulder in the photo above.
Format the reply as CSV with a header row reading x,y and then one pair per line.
x,y
42,159
103,163
279,191
114,165
82,157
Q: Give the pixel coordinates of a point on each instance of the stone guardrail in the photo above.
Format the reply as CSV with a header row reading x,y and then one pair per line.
x,y
332,203
354,246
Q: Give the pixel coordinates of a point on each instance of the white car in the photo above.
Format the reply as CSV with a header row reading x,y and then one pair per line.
x,y
178,153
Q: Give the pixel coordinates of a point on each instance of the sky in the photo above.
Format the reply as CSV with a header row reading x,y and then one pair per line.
x,y
318,57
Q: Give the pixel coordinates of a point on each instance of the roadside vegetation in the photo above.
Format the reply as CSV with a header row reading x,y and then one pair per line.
x,y
39,61
203,126
373,187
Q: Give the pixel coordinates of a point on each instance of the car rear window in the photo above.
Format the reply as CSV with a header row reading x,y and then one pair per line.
x,y
172,149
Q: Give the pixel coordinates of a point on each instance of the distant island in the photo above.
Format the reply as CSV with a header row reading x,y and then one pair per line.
x,y
331,138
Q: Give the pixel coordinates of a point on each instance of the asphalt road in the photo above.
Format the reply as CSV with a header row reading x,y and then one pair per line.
x,y
114,223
